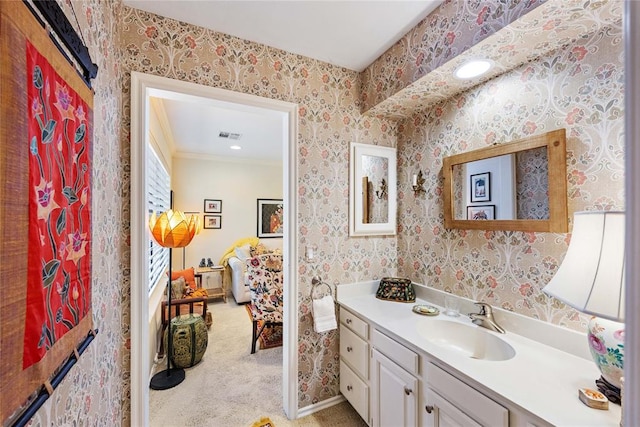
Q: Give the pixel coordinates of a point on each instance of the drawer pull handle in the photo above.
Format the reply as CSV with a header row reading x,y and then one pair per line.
x,y
349,388
407,391
348,321
429,409
349,349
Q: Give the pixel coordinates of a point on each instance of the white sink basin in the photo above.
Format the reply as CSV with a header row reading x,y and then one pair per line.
x,y
471,340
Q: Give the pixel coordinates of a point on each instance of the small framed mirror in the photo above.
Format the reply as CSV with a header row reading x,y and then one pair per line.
x,y
372,190
521,186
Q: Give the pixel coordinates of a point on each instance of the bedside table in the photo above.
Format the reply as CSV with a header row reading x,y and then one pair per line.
x,y
207,281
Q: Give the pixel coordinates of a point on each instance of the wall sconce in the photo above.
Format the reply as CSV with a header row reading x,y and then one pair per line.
x,y
418,183
383,189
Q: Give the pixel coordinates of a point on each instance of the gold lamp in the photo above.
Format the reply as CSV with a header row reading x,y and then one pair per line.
x,y
172,229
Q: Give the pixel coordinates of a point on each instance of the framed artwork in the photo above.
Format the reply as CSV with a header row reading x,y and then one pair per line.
x,y
481,187
270,218
212,206
213,221
481,212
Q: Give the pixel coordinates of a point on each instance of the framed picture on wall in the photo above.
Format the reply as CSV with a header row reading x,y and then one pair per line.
x,y
213,221
212,206
481,212
270,218
481,187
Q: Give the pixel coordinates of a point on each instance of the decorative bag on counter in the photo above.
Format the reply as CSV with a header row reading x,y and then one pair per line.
x,y
396,289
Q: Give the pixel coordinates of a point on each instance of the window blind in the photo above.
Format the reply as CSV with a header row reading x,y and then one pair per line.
x,y
159,200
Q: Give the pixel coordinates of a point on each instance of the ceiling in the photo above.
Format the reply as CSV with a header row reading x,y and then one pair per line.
x,y
349,34
196,123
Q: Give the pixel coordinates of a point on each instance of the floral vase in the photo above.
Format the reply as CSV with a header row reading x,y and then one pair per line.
x,y
606,343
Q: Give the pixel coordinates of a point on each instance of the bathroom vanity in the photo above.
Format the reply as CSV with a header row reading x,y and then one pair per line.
x,y
399,368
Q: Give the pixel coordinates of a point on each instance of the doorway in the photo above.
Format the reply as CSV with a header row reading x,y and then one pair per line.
x,y
144,86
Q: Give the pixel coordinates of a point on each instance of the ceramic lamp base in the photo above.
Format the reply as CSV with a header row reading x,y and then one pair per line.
x,y
606,343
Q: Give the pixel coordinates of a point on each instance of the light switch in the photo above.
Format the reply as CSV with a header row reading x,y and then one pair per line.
x,y
309,253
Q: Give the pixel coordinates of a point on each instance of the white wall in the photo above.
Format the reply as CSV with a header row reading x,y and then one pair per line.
x,y
159,137
239,184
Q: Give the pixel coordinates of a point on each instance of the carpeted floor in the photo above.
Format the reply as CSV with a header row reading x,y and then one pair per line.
x,y
231,387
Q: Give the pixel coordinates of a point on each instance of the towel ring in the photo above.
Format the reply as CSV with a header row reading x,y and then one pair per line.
x,y
316,284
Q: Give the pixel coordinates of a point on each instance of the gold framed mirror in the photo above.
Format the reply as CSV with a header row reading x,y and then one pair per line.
x,y
521,186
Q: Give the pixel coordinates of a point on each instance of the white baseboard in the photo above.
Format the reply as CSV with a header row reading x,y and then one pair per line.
x,y
327,403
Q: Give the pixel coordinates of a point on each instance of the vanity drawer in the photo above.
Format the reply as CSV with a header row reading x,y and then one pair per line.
x,y
354,323
470,401
355,390
355,351
397,352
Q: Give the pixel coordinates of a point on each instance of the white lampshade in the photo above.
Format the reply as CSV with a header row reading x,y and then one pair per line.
x,y
591,276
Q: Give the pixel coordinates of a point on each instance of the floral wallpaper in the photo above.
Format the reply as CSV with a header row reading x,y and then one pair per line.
x,y
398,85
453,28
95,392
578,87
329,120
459,178
532,184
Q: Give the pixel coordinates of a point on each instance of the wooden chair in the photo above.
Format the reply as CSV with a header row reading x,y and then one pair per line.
x,y
184,306
265,283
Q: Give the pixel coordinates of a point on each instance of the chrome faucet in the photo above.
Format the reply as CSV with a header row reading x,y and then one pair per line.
x,y
485,318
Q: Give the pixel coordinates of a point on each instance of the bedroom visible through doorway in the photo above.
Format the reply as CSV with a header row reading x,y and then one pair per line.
x,y
145,87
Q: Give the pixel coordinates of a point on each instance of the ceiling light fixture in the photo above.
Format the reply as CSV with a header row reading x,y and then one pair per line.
x,y
235,147
473,68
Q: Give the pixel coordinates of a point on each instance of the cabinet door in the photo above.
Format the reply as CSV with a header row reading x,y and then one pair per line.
x,y
394,394
467,399
441,413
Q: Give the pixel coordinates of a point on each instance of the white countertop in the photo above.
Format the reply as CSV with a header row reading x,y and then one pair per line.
x,y
540,379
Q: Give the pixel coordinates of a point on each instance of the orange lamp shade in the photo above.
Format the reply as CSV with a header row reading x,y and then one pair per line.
x,y
172,229
198,224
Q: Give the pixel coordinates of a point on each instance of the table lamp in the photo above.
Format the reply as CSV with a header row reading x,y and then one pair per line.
x,y
171,230
591,279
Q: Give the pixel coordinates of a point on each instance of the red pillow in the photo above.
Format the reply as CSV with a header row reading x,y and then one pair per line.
x,y
188,274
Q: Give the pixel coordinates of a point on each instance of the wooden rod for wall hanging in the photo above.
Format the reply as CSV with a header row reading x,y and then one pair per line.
x,y
65,34
46,391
